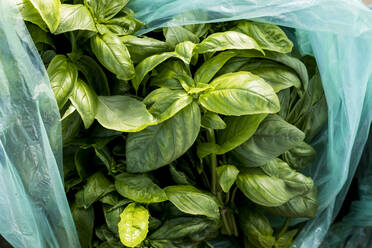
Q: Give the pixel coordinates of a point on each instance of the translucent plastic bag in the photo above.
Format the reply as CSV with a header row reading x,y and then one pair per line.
x,y
34,211
339,34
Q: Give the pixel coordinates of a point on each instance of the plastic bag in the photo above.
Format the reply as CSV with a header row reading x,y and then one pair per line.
x,y
339,34
34,211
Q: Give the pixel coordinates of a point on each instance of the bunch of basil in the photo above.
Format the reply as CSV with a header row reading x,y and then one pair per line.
x,y
199,130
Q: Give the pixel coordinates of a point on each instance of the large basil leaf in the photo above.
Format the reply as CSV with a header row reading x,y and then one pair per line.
x,y
268,36
178,34
133,225
141,48
164,103
94,75
286,239
139,188
273,137
278,76
302,206
113,54
240,93
123,113
70,127
167,74
213,121
95,188
183,51
208,70
85,101
256,227
273,184
190,200
104,10
185,227
238,130
227,175
112,217
49,10
31,14
227,40
155,146
75,17
300,156
63,75
84,223
39,36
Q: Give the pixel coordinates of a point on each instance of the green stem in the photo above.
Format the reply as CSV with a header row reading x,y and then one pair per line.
x,y
225,222
227,197
233,194
233,224
212,139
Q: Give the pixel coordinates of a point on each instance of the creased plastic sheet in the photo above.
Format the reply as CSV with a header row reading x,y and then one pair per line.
x,y
33,207
339,34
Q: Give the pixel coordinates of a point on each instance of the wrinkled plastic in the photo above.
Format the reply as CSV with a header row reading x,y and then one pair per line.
x,y
34,211
339,34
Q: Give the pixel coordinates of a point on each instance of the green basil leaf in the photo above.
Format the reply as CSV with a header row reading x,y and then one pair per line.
x,y
139,188
155,146
123,113
300,156
273,184
141,48
31,14
278,76
111,199
75,17
63,75
123,25
113,54
39,36
70,127
85,101
240,93
213,121
49,11
227,40
199,30
184,51
233,65
256,227
104,154
284,99
302,206
104,10
71,109
205,149
167,74
133,225
268,36
84,223
286,239
208,70
239,129
273,137
164,103
104,234
112,217
190,200
185,227
94,75
177,34
227,175
96,187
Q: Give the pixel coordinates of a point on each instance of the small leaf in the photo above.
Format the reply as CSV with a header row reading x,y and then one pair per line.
x,y
300,156
273,137
164,103
84,223
208,70
286,239
123,113
213,121
63,75
227,175
227,40
113,54
123,24
167,74
155,146
75,17
268,36
190,200
177,34
139,188
96,187
133,225
85,101
273,184
240,93
179,176
49,11
104,10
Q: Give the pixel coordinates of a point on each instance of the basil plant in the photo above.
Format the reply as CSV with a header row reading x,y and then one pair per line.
x,y
189,136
